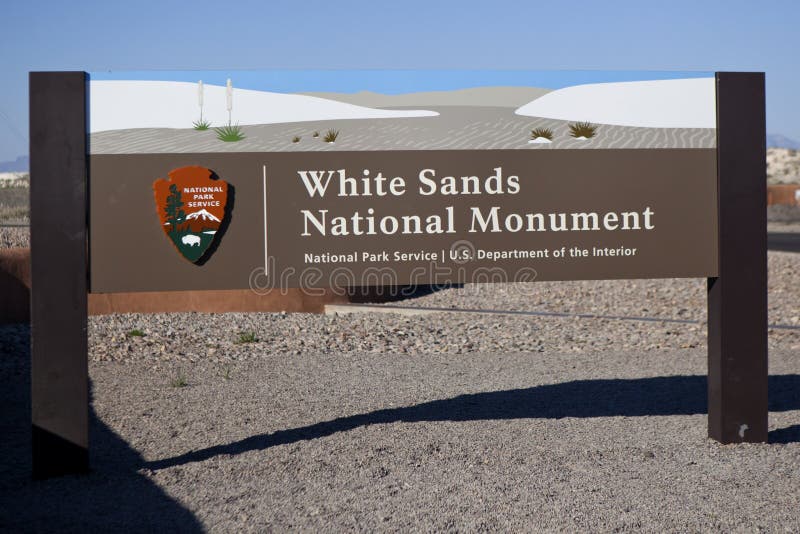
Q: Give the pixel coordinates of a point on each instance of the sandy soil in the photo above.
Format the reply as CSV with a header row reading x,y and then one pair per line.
x,y
457,127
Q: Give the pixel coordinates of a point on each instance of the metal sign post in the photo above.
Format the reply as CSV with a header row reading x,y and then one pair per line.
x,y
59,267
737,298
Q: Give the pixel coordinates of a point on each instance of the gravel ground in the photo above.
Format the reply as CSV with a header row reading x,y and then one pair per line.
x,y
14,237
600,441
13,204
217,338
783,213
784,227
674,298
458,422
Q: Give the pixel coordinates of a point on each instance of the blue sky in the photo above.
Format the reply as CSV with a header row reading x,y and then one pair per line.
x,y
392,81
619,35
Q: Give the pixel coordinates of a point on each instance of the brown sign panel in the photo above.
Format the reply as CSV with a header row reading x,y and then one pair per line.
x,y
406,217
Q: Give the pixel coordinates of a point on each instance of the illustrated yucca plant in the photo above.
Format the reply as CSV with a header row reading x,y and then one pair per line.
x,y
229,98
229,133
201,124
232,132
545,133
331,136
582,129
315,134
295,139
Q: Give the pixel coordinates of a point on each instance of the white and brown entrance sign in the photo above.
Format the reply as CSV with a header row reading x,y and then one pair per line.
x,y
353,182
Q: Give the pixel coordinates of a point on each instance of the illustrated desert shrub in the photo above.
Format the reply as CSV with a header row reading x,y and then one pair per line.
x,y
315,134
295,139
201,125
582,129
546,133
331,136
229,133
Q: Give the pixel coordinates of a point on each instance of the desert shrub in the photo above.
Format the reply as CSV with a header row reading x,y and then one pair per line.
x,y
201,125
582,129
179,381
547,133
295,139
229,133
247,337
331,136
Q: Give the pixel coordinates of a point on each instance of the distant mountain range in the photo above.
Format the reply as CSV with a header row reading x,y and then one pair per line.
x,y
781,141
21,164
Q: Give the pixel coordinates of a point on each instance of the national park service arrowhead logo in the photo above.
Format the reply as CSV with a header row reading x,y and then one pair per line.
x,y
193,209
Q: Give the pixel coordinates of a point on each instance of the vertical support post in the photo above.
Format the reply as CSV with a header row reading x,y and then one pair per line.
x,y
737,298
59,347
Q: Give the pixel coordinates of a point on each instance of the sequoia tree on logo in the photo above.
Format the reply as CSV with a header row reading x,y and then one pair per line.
x,y
192,205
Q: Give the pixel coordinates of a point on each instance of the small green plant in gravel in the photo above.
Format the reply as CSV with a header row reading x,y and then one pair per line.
x,y
296,139
179,381
135,333
201,125
229,134
331,136
582,129
545,133
247,337
315,134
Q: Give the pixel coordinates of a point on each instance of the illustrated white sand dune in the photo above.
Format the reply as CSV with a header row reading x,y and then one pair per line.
x,y
498,96
683,103
122,104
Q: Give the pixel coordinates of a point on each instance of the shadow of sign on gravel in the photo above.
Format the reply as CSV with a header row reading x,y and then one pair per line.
x,y
113,497
790,434
657,396
783,241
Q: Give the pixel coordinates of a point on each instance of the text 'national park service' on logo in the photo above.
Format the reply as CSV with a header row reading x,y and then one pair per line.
x,y
192,206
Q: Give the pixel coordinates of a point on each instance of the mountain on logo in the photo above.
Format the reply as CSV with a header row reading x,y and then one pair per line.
x,y
199,221
202,215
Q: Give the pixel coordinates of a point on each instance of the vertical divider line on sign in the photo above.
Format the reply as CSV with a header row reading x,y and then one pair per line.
x,y
266,255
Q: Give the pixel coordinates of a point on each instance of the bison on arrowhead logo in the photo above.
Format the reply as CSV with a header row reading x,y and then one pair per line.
x,y
193,209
